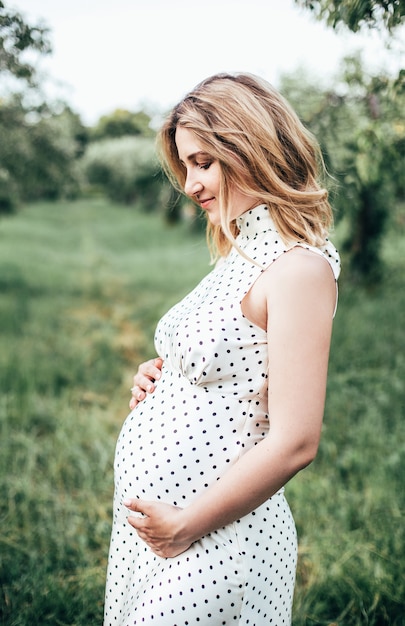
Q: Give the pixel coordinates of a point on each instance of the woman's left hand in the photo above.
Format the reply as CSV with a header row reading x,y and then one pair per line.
x,y
161,526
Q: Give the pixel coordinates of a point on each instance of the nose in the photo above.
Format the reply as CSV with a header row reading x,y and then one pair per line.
x,y
192,186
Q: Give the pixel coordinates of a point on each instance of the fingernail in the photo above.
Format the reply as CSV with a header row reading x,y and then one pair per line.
x,y
149,388
126,502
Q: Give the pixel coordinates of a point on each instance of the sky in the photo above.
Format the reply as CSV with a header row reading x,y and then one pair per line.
x,y
147,54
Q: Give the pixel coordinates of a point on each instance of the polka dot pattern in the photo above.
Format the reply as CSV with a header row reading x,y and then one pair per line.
x,y
209,408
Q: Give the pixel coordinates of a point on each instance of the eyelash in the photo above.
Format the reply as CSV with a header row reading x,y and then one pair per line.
x,y
204,166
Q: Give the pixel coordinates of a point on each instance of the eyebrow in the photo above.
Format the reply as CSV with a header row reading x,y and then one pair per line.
x,y
194,155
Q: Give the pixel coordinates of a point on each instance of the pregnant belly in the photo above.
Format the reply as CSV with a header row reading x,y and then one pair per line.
x,y
178,441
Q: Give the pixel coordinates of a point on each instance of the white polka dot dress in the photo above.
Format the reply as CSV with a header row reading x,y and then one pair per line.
x,y
208,409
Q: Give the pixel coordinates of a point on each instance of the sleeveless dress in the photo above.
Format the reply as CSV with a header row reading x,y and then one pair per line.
x,y
208,409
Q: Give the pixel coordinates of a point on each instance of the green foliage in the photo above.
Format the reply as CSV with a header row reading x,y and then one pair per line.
x,y
16,38
56,142
83,285
126,169
122,123
38,154
359,123
368,164
38,147
357,13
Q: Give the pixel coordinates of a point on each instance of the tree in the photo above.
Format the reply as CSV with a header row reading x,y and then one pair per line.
x,y
38,155
372,168
121,123
56,142
357,13
372,159
39,143
16,38
359,123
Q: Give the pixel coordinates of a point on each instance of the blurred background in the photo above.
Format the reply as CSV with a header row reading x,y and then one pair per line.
x,y
95,246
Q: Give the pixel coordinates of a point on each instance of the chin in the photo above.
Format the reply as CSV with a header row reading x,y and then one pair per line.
x,y
214,219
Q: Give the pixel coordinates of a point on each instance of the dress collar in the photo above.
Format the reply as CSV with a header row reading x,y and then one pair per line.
x,y
255,221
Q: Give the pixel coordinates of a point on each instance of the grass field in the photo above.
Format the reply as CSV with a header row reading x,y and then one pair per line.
x,y
81,287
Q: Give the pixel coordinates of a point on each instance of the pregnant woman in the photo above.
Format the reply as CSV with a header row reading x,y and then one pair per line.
x,y
232,407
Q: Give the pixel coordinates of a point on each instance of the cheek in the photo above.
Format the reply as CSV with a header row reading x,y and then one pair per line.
x,y
214,176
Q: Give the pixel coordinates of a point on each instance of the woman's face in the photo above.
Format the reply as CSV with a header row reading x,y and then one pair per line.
x,y
203,174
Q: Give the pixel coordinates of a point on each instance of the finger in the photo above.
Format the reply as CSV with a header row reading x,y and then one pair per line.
x,y
158,363
130,503
151,366
138,506
150,370
137,523
143,383
138,393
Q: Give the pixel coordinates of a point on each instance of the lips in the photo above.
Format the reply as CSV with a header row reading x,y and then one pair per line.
x,y
204,202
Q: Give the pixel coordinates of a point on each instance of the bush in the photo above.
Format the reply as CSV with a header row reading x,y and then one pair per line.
x,y
126,169
56,141
38,154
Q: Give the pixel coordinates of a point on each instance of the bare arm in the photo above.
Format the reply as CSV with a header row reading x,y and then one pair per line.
x,y
299,293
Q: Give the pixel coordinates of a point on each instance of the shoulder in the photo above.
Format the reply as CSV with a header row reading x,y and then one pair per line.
x,y
300,277
299,264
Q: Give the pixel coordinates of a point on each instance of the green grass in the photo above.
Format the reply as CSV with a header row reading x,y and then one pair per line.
x,y
349,504
81,288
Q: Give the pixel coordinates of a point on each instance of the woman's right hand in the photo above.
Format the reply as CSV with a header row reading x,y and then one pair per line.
x,y
144,380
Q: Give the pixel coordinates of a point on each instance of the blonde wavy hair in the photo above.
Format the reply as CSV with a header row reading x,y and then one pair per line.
x,y
263,150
